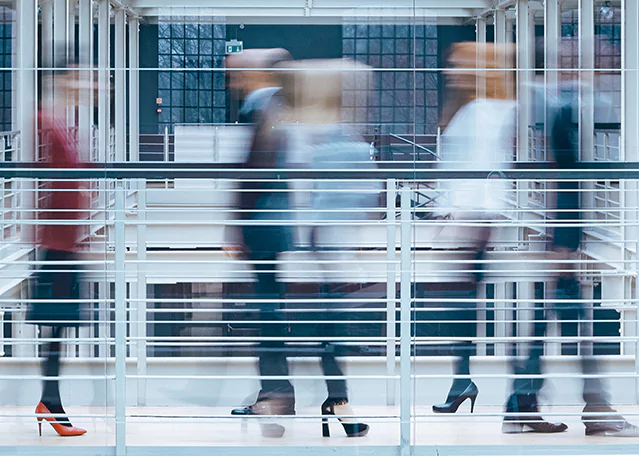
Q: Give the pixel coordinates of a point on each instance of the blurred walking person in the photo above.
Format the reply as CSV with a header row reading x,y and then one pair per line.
x,y
599,418
313,93
479,136
56,285
262,204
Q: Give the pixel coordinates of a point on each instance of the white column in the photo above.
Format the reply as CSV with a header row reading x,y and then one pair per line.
x,y
503,316
141,294
134,89
60,30
120,321
587,75
525,74
46,21
104,96
500,26
25,109
552,34
630,108
499,21
553,328
25,80
120,84
525,315
511,77
60,42
72,11
480,32
586,325
85,109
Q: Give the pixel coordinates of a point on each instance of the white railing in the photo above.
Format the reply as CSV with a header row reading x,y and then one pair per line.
x,y
607,193
9,189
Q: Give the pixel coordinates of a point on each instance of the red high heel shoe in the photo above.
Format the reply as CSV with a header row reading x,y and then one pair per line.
x,y
61,429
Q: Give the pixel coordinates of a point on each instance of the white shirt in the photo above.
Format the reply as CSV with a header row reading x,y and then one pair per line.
x,y
479,137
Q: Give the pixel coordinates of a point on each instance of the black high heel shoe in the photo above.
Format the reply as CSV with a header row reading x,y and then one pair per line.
x,y
453,402
352,429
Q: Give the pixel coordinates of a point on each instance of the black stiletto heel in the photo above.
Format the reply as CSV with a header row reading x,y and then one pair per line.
x,y
453,402
351,429
325,430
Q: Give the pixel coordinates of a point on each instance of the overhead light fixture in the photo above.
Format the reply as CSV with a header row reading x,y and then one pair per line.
x,y
606,11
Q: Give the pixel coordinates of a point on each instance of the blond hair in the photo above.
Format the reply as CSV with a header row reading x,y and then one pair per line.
x,y
313,88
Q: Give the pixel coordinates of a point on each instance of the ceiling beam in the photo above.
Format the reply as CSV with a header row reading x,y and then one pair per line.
x,y
334,14
317,4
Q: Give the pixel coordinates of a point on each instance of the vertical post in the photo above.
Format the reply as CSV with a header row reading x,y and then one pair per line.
x,y
501,328
405,327
120,84
526,67
480,32
134,89
46,20
391,289
500,26
586,325
499,22
553,328
85,108
26,99
60,43
636,284
481,319
25,108
587,92
141,304
166,144
525,315
629,140
71,13
104,95
552,34
511,76
120,322
587,76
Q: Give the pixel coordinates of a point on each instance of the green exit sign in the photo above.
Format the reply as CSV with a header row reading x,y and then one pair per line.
x,y
234,47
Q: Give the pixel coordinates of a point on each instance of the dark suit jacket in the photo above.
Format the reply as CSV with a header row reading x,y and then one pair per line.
x,y
261,200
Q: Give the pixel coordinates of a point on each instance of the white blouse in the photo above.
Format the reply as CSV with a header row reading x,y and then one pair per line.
x,y
479,137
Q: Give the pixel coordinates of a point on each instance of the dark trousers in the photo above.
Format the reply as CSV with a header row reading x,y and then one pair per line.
x,y
264,244
336,387
594,392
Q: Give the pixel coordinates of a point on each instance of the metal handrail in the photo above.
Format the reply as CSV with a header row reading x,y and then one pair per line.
x,y
413,143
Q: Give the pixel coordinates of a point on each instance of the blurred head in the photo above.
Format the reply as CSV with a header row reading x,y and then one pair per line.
x,y
313,88
252,69
66,81
467,62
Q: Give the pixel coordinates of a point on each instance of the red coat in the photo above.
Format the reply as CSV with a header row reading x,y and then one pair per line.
x,y
61,200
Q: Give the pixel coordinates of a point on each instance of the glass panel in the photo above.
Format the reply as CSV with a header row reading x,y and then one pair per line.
x,y
372,215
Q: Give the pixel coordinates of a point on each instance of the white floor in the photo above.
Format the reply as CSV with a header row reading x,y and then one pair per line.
x,y
211,426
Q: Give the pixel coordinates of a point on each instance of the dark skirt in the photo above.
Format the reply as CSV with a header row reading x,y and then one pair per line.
x,y
59,285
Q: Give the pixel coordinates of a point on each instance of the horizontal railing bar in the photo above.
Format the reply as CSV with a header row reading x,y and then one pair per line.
x,y
408,171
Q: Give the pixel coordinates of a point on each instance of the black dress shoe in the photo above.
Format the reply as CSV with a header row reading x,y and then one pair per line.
x,y
263,406
273,403
524,417
608,425
284,402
